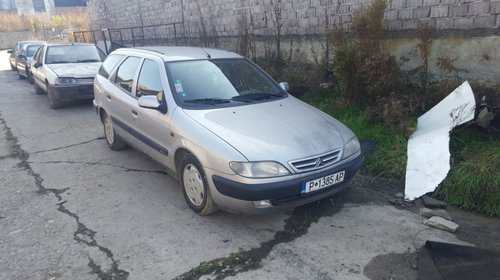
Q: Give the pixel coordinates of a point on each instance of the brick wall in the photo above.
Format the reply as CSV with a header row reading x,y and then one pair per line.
x,y
297,17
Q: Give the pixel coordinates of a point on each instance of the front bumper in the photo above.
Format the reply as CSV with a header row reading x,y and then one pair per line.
x,y
286,193
73,92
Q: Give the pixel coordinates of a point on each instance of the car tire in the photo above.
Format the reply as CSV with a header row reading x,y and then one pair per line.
x,y
54,103
12,67
114,141
19,76
30,78
195,186
38,90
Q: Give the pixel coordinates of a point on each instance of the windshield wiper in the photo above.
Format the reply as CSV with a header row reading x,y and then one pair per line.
x,y
88,60
257,96
211,101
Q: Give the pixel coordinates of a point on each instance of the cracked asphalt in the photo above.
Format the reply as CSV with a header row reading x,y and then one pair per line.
x,y
70,208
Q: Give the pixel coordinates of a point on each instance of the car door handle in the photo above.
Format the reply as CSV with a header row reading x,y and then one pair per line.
x,y
108,97
134,113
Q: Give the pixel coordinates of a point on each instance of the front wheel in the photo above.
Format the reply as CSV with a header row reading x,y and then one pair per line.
x,y
38,90
54,103
112,139
195,186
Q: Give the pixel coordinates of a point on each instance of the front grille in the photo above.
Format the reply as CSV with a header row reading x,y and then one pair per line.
x,y
85,80
316,162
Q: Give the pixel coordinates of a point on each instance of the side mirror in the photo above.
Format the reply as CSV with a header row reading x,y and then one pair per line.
x,y
285,86
149,101
37,64
21,56
10,51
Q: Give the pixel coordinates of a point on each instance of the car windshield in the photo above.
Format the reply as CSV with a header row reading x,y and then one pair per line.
x,y
31,49
73,54
220,82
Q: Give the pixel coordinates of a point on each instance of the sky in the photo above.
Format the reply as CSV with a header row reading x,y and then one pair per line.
x,y
69,3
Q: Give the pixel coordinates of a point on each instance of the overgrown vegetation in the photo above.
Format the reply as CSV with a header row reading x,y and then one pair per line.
x,y
381,103
474,179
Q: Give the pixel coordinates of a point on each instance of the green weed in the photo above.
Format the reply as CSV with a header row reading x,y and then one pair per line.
x,y
474,179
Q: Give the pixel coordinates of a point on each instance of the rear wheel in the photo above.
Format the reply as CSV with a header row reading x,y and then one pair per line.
x,y
30,78
195,186
19,76
112,139
54,103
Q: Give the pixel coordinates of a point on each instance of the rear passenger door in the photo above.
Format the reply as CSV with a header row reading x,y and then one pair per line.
x,y
119,100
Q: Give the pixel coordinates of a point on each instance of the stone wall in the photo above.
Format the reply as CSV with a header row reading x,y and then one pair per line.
x,y
467,29
296,17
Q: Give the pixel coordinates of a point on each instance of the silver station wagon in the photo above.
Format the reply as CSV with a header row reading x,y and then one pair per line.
x,y
234,138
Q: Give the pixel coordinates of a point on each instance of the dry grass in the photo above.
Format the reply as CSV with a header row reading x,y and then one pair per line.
x,y
76,19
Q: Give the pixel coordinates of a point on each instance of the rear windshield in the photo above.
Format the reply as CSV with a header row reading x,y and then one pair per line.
x,y
73,54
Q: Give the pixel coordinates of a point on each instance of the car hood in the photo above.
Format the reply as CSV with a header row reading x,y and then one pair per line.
x,y
280,130
76,70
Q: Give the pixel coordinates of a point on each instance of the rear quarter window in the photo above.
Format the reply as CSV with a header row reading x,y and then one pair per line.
x,y
109,64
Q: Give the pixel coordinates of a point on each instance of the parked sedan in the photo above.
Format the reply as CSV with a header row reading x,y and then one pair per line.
x,y
14,53
24,59
66,72
234,138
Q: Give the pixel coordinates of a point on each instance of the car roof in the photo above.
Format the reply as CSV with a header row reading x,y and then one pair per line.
x,y
180,53
70,44
31,42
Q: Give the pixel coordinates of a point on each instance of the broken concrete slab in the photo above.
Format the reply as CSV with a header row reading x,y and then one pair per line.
x,y
432,202
441,223
429,213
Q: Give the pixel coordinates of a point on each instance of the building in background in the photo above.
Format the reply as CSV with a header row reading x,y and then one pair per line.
x,y
7,6
26,7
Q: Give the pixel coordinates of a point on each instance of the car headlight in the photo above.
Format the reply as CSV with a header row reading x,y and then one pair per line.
x,y
261,169
351,147
64,81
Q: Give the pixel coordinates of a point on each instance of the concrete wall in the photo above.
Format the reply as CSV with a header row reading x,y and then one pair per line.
x,y
468,30
297,17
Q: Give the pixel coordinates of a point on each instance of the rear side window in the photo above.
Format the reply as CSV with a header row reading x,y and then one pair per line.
x,y
109,64
149,82
126,73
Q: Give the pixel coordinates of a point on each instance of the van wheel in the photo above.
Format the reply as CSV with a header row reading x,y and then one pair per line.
x,y
112,139
195,186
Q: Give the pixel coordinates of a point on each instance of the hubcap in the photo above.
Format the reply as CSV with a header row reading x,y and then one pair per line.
x,y
108,129
193,184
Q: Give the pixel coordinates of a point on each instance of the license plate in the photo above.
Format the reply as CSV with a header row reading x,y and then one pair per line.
x,y
323,182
